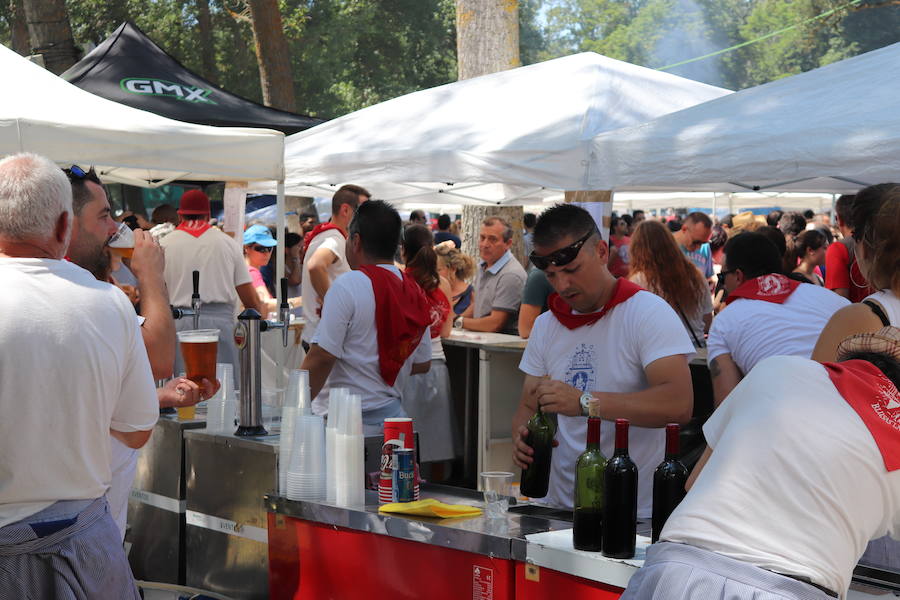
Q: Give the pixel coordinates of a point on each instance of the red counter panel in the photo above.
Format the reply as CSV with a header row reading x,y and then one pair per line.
x,y
538,583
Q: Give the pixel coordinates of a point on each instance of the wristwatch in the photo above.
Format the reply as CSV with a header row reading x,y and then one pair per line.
x,y
458,322
585,402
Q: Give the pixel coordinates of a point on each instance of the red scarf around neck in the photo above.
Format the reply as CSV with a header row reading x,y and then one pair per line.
x,y
563,312
875,399
195,227
773,287
320,228
402,316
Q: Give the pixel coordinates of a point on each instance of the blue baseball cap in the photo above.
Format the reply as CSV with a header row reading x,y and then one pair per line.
x,y
259,234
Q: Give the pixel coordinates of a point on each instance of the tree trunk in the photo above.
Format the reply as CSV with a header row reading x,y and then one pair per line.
x,y
272,54
207,46
50,33
472,217
19,28
487,36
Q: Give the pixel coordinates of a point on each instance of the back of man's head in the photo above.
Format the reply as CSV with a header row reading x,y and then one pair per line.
x,y
792,223
697,217
444,222
561,221
773,217
34,192
753,254
842,209
379,227
529,220
348,194
165,213
418,216
776,237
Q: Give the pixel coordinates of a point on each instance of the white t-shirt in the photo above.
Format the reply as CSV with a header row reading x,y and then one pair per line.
x,y
217,256
751,330
347,331
695,317
334,241
73,367
890,303
795,483
608,356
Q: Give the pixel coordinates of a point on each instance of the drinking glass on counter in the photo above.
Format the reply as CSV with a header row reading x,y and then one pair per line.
x,y
198,349
122,241
497,487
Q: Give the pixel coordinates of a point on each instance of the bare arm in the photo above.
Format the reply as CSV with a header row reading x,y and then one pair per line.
x,y
845,292
132,439
319,363
668,398
725,376
319,262
856,318
707,321
527,407
494,322
249,298
158,330
447,327
527,315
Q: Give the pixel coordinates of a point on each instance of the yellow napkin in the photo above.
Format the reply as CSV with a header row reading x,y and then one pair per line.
x,y
431,508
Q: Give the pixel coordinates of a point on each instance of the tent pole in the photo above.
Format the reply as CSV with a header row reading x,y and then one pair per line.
x,y
714,198
279,273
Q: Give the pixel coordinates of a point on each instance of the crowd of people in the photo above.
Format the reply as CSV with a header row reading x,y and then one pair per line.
x,y
611,326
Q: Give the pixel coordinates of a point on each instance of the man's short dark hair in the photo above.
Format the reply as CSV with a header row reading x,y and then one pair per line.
x,y
306,216
444,222
417,215
792,223
776,237
561,221
348,194
165,213
753,253
674,225
808,214
698,217
291,239
842,208
379,227
718,238
637,212
773,217
727,220
529,220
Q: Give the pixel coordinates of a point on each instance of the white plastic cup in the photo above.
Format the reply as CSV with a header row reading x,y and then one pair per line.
x,y
497,487
298,393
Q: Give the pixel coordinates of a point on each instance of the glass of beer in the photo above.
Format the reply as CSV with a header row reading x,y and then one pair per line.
x,y
198,349
122,241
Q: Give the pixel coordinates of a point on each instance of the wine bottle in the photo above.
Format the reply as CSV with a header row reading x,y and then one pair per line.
x,y
668,482
589,491
620,479
536,478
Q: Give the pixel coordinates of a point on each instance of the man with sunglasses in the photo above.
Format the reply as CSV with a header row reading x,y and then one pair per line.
x,y
766,313
498,282
605,345
693,238
195,245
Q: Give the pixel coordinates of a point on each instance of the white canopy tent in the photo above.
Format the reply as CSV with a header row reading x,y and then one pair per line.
x,y
833,129
509,137
41,113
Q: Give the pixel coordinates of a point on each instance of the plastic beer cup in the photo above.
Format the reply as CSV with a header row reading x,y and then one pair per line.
x,y
122,242
198,349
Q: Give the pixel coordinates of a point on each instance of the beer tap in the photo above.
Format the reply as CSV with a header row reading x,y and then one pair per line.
x,y
194,310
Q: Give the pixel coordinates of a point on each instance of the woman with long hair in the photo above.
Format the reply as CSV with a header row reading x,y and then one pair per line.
x,y
659,266
809,253
426,396
458,269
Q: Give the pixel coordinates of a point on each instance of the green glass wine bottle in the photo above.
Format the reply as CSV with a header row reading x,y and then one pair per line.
x,y
589,491
536,478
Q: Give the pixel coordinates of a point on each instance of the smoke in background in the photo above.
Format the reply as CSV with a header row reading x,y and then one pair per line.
x,y
685,34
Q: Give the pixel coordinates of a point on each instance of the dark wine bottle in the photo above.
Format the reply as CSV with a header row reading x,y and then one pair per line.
x,y
668,482
536,478
589,491
620,480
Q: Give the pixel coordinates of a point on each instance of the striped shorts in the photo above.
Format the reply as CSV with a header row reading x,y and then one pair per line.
x,y
83,560
681,572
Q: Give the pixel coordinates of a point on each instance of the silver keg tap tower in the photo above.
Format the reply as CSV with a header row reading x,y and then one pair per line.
x,y
247,336
194,310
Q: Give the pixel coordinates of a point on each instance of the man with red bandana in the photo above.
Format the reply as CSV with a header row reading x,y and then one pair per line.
x,y
604,342
767,313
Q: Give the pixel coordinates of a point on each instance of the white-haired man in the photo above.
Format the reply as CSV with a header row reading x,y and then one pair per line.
x,y
74,371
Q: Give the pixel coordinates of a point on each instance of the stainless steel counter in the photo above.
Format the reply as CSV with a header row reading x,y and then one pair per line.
x,y
496,538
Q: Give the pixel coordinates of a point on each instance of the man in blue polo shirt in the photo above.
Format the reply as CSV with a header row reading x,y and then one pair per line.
x,y
693,238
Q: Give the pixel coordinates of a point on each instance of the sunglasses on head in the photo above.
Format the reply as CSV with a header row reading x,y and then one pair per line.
x,y
76,173
259,248
561,257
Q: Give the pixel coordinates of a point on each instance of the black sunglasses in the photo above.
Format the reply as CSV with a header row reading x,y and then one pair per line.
x,y
561,257
76,173
262,248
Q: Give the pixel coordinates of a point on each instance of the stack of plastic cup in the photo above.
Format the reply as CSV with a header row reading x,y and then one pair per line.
x,y
336,398
306,472
221,408
272,403
296,404
349,453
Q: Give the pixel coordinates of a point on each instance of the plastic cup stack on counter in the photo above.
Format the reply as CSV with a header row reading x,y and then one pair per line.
x,y
222,407
296,404
336,400
306,471
349,454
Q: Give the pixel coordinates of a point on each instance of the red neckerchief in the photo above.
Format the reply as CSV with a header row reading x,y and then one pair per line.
x,y
877,402
320,228
563,312
402,316
773,287
195,227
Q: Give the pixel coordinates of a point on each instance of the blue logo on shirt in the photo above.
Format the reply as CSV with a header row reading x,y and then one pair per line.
x,y
580,374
